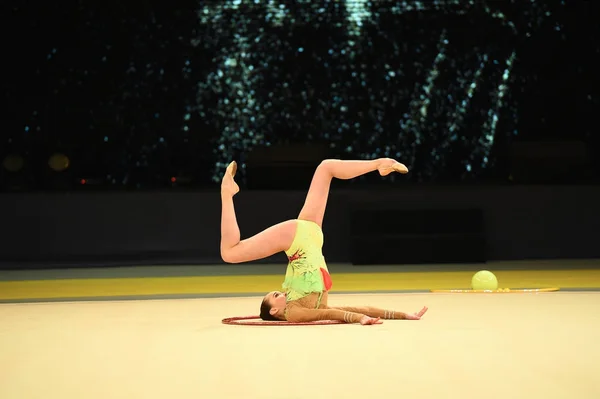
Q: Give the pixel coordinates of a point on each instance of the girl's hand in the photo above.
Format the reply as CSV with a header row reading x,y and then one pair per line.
x,y
417,316
366,320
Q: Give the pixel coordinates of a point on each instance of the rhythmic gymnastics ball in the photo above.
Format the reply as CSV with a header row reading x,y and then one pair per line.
x,y
484,280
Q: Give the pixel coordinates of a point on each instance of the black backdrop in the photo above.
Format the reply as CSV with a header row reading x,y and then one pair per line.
x,y
135,94
148,102
527,222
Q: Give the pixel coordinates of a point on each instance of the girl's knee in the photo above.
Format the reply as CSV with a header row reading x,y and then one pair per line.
x,y
229,255
226,256
325,166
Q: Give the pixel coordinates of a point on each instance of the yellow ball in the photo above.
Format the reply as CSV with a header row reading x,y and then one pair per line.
x,y
484,280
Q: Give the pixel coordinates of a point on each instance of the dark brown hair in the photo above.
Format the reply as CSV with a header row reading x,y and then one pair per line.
x,y
265,311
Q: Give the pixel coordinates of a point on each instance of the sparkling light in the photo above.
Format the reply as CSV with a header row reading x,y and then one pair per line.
x,y
434,86
162,91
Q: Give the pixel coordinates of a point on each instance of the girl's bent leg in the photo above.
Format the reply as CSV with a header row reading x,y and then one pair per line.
x,y
275,239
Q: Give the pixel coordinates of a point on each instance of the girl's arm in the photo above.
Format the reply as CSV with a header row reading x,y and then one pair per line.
x,y
383,313
297,314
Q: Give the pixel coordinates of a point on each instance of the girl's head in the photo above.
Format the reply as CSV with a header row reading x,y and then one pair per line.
x,y
273,306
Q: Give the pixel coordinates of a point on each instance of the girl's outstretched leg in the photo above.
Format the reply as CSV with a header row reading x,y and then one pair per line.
x,y
316,199
275,239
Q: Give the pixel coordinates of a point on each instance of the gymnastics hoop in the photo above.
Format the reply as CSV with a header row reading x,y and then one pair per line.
x,y
498,291
239,321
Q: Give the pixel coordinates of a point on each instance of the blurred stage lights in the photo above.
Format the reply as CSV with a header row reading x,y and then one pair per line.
x,y
13,163
180,180
59,162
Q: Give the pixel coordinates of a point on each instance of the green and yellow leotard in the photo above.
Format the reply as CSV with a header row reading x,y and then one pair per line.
x,y
307,271
307,282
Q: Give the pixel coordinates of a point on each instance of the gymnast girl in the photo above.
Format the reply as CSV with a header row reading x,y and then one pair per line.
x,y
307,280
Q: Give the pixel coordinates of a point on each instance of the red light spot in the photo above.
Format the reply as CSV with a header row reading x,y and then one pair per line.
x,y
83,181
173,179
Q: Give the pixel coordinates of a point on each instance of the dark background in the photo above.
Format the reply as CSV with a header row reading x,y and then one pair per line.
x,y
120,119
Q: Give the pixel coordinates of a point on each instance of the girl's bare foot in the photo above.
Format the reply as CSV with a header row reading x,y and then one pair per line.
x,y
228,184
388,165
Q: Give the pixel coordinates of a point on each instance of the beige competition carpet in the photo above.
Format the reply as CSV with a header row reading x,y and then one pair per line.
x,y
543,345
